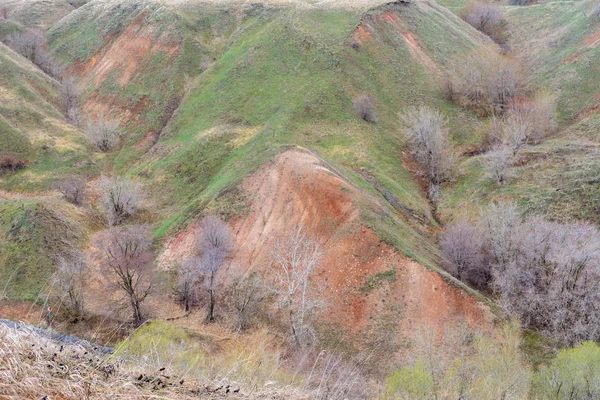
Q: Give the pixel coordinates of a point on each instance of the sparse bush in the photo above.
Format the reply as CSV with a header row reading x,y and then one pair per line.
x,y
497,163
104,133
247,296
365,108
294,261
214,244
4,12
463,249
126,257
68,284
486,17
31,45
73,189
527,122
70,97
187,283
485,80
428,136
121,198
12,162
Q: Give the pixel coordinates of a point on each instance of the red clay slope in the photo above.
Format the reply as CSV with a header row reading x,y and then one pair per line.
x,y
298,188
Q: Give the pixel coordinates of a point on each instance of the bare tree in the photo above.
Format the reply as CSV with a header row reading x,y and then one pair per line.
x,y
487,17
68,283
428,135
70,97
126,256
553,283
294,261
364,106
463,249
247,295
214,244
500,224
485,80
498,161
121,198
73,189
188,277
104,133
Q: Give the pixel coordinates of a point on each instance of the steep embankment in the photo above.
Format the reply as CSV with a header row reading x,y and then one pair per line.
x,y
364,278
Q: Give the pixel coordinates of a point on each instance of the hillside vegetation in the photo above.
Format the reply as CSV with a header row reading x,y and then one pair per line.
x,y
321,199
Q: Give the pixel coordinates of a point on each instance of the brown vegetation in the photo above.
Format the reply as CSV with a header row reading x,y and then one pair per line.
x,y
364,106
484,80
126,256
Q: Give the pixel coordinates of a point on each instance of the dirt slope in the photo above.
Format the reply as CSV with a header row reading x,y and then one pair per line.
x,y
298,188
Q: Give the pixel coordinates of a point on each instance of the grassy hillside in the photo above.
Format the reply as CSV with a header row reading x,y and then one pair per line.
x,y
558,177
34,129
272,77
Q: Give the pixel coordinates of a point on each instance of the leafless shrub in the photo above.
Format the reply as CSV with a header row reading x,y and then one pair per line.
x,y
501,226
68,284
70,97
463,249
126,257
4,12
527,122
104,133
554,282
214,244
187,283
73,189
364,106
545,273
331,376
294,261
485,80
12,162
247,295
31,45
498,162
121,198
486,17
428,135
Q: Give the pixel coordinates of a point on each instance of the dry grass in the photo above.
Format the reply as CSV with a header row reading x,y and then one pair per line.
x,y
33,366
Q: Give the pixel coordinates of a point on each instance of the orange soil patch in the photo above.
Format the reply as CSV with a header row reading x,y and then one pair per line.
x,y
24,311
593,40
363,33
413,46
123,54
586,112
298,188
